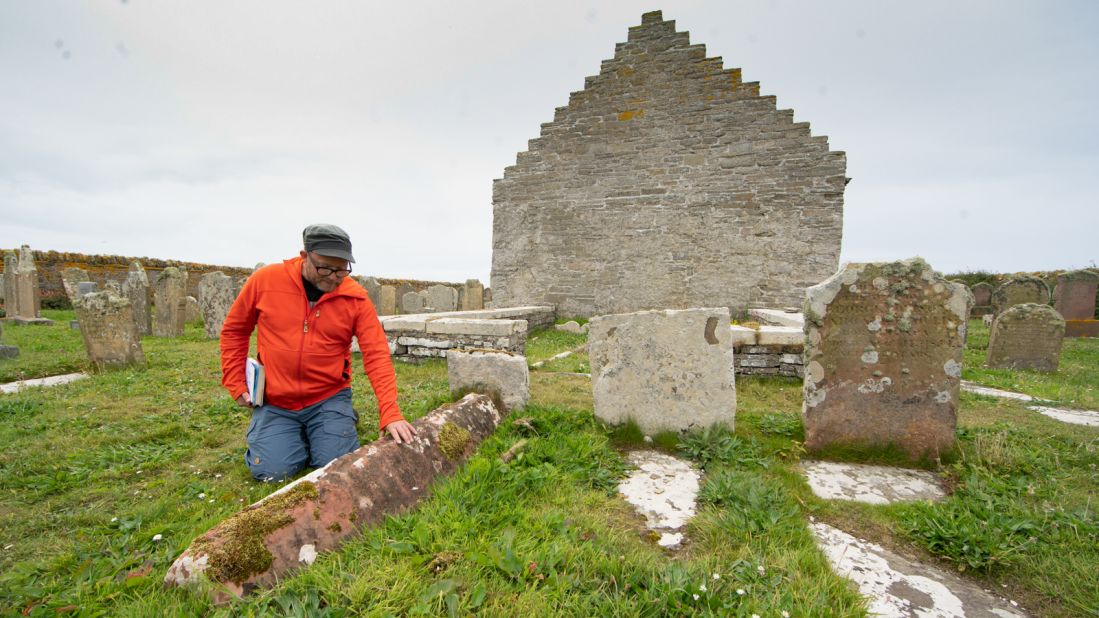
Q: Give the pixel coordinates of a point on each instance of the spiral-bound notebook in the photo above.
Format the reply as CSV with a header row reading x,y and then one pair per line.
x,y
254,378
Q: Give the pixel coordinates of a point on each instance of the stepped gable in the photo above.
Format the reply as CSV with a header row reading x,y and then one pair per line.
x,y
668,182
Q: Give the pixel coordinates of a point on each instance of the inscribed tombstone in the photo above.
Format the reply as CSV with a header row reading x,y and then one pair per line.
x,y
387,296
884,358
442,298
1022,289
170,298
136,288
1026,336
107,325
216,293
412,302
665,370
473,295
1074,297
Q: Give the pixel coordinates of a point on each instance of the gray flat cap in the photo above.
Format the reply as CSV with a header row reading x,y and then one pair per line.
x,y
328,240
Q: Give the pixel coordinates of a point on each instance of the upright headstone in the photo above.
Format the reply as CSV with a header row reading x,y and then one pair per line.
x,y
442,298
170,298
883,358
1026,336
136,289
665,370
114,287
107,325
473,295
982,299
83,288
1022,289
70,280
11,263
403,289
387,298
373,289
27,302
192,311
412,302
1074,299
216,293
492,372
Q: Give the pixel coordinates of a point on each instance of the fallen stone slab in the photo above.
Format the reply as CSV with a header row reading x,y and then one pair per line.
x,y
970,387
896,586
14,387
1075,417
664,490
24,321
870,484
288,529
779,317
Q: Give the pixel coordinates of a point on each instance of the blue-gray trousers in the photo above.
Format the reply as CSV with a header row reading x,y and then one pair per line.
x,y
281,442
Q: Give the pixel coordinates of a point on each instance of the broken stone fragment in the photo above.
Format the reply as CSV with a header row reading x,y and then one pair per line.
x,y
292,526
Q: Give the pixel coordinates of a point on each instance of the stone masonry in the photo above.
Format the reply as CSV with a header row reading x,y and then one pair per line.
x,y
1026,336
418,336
883,357
107,325
1074,299
1022,289
216,293
135,287
171,302
668,182
664,370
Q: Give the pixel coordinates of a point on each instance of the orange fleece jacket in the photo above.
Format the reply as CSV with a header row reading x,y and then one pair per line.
x,y
305,352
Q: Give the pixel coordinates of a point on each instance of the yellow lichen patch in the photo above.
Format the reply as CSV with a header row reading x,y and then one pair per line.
x,y
453,440
630,114
235,547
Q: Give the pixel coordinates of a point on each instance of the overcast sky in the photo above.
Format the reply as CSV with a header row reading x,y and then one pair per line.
x,y
214,131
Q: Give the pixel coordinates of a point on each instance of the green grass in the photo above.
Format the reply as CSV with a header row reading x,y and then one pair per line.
x,y
91,471
44,350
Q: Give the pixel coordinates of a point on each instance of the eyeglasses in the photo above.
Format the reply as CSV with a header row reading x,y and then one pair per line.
x,y
325,271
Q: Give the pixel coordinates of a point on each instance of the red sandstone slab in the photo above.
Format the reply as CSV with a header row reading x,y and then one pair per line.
x,y
287,529
1082,328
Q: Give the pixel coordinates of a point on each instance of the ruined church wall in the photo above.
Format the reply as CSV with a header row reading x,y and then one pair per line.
x,y
667,182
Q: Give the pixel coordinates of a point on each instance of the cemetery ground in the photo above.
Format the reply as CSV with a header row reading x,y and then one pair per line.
x,y
104,481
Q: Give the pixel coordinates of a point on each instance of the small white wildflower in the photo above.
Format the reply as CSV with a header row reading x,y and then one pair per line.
x,y
157,537
740,591
139,471
695,596
217,476
761,569
702,588
785,614
114,519
9,546
211,500
202,496
1013,603
717,576
755,615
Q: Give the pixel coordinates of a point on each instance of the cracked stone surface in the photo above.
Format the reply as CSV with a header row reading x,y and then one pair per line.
x,y
896,586
664,490
14,387
870,484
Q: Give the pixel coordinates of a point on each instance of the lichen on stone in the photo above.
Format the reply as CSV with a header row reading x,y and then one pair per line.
x,y
235,547
453,440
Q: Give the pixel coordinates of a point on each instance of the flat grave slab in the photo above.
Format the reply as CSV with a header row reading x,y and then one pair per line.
x,y
14,387
870,484
664,490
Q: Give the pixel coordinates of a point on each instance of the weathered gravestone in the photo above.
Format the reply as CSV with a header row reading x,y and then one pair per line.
x,y
373,290
492,372
473,295
387,298
107,325
83,288
136,288
884,358
70,280
442,298
982,299
170,298
412,302
665,370
1027,336
1074,299
1022,289
27,304
192,310
10,264
288,529
216,293
113,286
403,289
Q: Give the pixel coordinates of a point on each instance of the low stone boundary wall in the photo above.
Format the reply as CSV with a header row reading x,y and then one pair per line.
x,y
769,351
432,334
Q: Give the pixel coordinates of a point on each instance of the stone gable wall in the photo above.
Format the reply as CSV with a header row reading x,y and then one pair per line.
x,y
667,182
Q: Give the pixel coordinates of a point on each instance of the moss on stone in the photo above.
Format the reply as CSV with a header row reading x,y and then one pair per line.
x,y
335,527
453,440
235,548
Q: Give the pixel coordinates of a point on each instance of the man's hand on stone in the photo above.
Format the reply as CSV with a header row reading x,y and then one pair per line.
x,y
243,400
400,431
